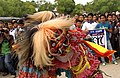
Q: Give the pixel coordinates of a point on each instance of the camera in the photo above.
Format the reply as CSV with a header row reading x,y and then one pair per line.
x,y
4,30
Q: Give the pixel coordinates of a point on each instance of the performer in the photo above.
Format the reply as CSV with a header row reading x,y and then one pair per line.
x,y
51,48
40,17
30,21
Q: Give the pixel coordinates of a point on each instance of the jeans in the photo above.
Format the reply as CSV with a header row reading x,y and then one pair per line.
x,y
8,64
109,46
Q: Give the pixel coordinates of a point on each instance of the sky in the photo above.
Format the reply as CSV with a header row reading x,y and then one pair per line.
x,y
76,1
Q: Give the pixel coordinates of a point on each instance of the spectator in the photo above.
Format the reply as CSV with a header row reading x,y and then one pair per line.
x,y
106,14
15,24
20,29
98,20
6,49
76,18
78,24
1,24
94,18
108,29
89,24
12,30
118,24
109,19
81,18
115,35
6,25
113,12
85,18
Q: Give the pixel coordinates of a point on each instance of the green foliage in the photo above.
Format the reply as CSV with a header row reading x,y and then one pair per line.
x,y
47,6
102,6
79,8
16,8
19,8
28,7
65,6
98,6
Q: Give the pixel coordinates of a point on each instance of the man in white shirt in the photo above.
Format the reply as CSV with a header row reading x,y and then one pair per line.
x,y
13,29
90,24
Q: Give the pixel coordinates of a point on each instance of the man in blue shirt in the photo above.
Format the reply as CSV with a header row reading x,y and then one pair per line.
x,y
105,25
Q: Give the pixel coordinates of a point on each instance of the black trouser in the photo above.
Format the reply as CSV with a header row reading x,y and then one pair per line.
x,y
9,63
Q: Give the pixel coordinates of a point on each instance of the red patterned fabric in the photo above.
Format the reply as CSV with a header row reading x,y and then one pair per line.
x,y
67,52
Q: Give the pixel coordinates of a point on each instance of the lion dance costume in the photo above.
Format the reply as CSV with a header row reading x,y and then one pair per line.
x,y
51,48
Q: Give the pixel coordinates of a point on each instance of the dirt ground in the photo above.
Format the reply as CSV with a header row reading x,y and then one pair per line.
x,y
110,69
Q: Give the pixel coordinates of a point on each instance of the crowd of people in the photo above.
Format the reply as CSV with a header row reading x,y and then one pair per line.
x,y
108,21
11,31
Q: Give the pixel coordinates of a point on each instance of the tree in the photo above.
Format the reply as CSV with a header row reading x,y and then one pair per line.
x,y
102,6
89,7
65,6
79,9
28,8
1,11
16,8
47,6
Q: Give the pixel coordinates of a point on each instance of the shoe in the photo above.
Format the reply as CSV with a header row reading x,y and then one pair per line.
x,y
117,58
13,76
5,74
103,64
115,63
